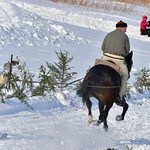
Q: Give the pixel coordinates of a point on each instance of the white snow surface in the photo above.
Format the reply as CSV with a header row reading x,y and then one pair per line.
x,y
34,31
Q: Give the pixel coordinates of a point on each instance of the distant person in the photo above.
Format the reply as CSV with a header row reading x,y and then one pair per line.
x,y
145,26
116,47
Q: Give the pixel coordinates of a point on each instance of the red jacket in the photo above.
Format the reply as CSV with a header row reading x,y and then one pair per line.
x,y
144,24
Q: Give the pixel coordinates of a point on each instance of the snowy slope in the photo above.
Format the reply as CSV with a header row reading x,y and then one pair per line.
x,y
33,31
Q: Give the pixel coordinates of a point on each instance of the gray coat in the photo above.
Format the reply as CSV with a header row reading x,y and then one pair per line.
x,y
116,42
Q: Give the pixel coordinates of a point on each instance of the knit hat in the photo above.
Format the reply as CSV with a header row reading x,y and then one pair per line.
x,y
144,17
121,24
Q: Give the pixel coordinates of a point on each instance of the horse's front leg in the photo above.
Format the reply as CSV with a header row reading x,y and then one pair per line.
x,y
125,108
90,116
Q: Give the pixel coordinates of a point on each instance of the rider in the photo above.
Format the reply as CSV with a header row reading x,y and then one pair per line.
x,y
116,47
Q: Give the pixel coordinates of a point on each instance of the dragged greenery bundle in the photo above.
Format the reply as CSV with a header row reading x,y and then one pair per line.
x,y
52,78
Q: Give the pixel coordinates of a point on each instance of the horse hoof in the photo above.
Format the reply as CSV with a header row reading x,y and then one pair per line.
x,y
90,123
96,123
119,118
106,128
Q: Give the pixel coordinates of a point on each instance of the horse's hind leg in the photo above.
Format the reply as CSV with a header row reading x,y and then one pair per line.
x,y
125,108
101,109
105,114
89,106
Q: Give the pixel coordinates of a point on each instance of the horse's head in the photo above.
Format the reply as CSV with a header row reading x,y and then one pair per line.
x,y
129,61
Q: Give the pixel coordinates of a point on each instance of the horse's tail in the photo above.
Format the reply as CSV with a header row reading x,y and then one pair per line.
x,y
85,91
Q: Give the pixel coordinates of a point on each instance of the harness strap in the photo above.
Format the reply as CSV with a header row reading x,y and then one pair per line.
x,y
103,86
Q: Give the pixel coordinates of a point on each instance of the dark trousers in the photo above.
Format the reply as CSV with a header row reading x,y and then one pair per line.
x,y
146,32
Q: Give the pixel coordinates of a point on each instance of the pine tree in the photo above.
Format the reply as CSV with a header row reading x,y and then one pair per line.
x,y
142,80
61,71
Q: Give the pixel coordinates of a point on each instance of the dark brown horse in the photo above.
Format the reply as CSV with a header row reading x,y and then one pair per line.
x,y
103,83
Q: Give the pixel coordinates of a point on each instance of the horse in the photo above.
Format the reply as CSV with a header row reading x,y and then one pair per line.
x,y
103,83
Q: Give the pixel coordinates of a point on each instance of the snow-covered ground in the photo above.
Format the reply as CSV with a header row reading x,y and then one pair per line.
x,y
33,31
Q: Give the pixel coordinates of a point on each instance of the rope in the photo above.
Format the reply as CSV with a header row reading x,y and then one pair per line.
x,y
74,81
57,83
